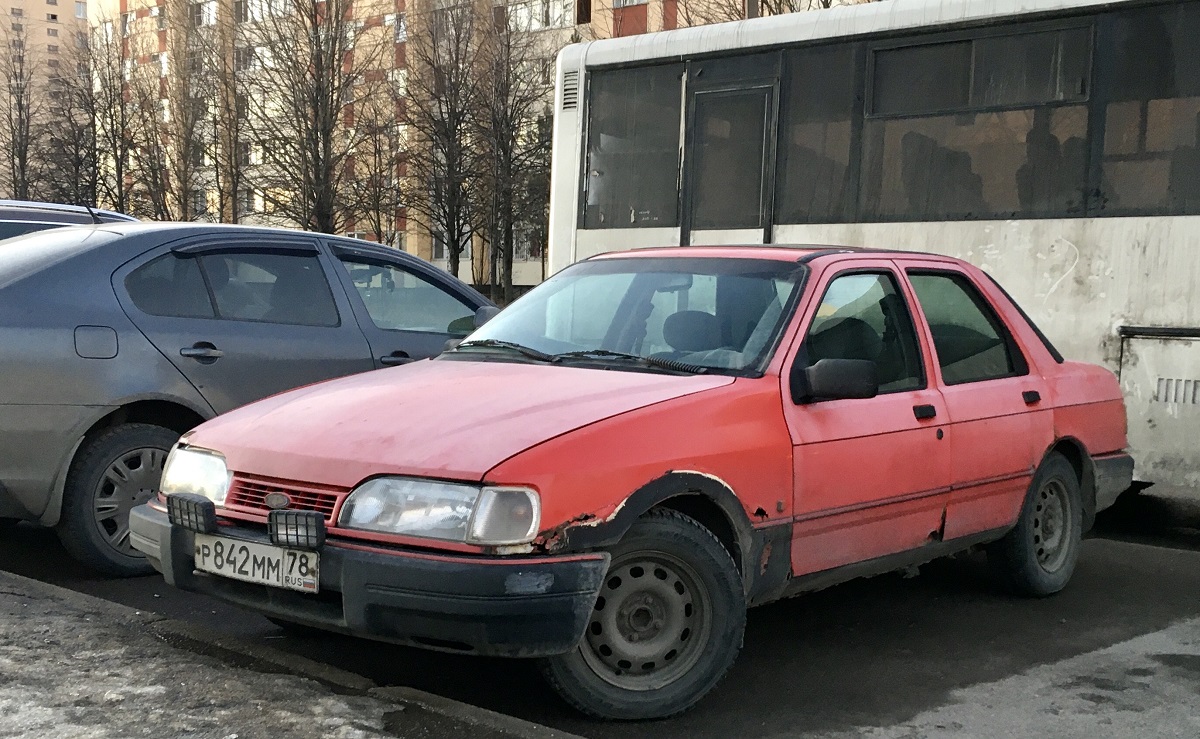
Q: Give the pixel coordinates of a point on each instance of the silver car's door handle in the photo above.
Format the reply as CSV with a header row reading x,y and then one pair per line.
x,y
201,350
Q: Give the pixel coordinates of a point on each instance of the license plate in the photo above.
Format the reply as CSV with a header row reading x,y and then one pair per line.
x,y
294,569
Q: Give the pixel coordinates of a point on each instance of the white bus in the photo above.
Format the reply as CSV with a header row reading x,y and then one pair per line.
x,y
1054,143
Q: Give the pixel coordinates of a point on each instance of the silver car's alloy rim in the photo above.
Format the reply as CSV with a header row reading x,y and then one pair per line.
x,y
650,623
1052,525
129,481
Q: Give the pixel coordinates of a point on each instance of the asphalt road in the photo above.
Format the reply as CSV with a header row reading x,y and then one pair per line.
x,y
871,653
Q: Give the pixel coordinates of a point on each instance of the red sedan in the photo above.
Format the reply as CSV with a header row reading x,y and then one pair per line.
x,y
608,473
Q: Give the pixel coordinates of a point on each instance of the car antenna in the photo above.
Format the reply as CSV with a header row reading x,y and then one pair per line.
x,y
95,218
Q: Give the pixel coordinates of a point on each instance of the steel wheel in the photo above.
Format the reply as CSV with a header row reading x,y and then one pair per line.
x,y
129,481
650,622
1052,513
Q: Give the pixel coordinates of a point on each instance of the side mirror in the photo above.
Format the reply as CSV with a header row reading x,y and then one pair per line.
x,y
834,379
485,313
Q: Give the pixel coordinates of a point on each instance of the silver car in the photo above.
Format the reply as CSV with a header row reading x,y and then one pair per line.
x,y
118,338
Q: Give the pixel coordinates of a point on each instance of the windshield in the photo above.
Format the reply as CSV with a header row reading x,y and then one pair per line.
x,y
712,313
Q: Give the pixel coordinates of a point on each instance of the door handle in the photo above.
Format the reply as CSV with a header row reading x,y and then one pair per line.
x,y
924,411
1031,396
202,351
395,358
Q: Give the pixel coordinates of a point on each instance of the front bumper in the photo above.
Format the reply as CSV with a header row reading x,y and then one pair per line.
x,y
504,606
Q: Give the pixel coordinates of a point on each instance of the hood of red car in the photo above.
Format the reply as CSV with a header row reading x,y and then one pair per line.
x,y
447,419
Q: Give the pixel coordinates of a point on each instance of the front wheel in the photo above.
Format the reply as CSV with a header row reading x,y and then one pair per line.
x,y
113,473
1038,556
666,627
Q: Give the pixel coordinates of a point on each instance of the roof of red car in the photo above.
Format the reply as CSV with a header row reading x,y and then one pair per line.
x,y
782,252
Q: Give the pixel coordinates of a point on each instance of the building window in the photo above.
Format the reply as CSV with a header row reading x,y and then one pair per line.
x,y
243,58
199,203
17,43
52,17
401,28
52,63
126,23
245,202
52,32
52,2
52,48
627,3
241,11
17,12
633,148
18,27
81,10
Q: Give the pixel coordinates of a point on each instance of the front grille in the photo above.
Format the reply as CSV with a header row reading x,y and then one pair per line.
x,y
250,493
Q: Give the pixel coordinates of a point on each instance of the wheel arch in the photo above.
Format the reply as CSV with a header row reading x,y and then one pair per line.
x,y
712,503
168,413
1081,461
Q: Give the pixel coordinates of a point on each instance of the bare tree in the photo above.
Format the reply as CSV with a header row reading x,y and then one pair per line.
x,y
227,130
514,97
24,110
375,188
170,102
115,139
443,96
71,156
304,64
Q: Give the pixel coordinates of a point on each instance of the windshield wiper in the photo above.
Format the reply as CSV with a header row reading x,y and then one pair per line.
x,y
501,344
668,364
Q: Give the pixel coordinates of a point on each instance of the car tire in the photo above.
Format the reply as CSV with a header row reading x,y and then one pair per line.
x,y
112,473
1037,557
666,627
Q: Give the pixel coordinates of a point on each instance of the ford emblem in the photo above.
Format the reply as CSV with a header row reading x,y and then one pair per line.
x,y
277,501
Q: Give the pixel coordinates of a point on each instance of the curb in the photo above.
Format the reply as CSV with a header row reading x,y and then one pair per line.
x,y
481,717
240,653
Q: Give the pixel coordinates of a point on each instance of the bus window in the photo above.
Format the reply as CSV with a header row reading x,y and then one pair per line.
x,y
1152,136
729,150
1009,139
815,135
633,148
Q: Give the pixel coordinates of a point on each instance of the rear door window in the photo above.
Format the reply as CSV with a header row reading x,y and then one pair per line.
x,y
972,344
170,286
270,287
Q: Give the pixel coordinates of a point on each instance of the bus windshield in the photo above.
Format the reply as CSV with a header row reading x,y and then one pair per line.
x,y
710,313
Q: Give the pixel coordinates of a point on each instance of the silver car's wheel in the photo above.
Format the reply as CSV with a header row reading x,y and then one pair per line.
x,y
114,472
130,480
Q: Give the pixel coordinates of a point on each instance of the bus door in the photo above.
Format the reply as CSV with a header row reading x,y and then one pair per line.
x,y
729,155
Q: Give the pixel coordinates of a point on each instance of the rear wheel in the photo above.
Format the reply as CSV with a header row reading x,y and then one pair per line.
x,y
1038,556
665,629
118,470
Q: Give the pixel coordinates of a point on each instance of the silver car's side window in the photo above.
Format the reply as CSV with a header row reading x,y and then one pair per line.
x,y
399,300
170,286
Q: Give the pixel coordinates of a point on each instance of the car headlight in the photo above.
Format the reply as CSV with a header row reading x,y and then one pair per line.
x,y
492,516
192,470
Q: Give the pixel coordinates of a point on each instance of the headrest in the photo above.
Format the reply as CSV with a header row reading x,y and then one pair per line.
x,y
692,331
